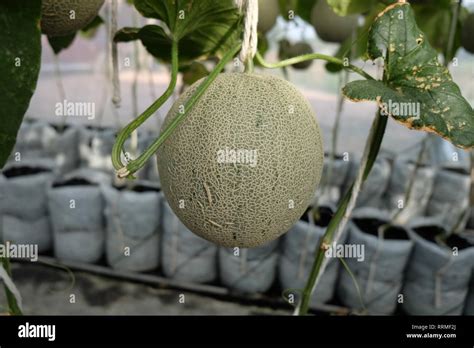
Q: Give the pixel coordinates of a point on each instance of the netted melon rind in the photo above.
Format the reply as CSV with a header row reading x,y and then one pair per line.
x,y
237,204
56,15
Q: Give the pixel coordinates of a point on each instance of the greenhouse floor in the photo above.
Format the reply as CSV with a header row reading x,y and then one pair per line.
x,y
47,290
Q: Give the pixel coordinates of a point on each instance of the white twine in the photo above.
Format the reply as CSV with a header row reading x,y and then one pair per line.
x,y
175,243
116,98
250,41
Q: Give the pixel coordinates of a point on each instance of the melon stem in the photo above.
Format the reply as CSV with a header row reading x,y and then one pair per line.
x,y
138,163
311,56
151,150
341,217
127,131
14,307
249,66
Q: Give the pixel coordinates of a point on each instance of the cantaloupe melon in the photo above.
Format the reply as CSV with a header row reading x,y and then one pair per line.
x,y
64,17
467,37
268,11
329,26
242,167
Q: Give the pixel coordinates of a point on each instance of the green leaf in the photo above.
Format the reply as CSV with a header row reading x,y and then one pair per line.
x,y
285,6
346,7
158,43
304,8
357,48
20,55
59,43
90,30
203,27
434,19
301,8
414,76
127,34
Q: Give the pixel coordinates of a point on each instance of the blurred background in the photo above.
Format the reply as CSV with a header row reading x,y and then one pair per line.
x,y
85,268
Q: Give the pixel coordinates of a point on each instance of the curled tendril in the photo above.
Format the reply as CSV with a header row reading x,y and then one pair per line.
x,y
133,166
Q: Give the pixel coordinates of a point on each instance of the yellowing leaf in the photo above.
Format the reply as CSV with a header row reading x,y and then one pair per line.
x,y
415,82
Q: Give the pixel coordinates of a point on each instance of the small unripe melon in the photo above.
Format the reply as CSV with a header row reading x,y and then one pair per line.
x,y
64,17
288,50
467,36
268,11
244,164
329,26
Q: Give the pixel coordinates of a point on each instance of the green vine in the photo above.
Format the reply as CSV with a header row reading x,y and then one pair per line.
x,y
133,166
124,171
334,228
13,307
311,56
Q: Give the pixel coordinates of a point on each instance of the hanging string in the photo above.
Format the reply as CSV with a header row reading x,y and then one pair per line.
x,y
250,39
116,99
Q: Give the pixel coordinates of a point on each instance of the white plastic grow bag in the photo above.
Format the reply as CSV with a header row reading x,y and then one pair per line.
x,y
421,190
249,270
298,252
437,279
132,219
23,203
450,198
185,256
380,274
76,207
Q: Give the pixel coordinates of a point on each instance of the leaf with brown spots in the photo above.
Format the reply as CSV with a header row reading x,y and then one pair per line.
x,y
414,80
